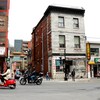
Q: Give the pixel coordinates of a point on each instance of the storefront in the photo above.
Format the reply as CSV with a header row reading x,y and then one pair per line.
x,y
95,67
57,64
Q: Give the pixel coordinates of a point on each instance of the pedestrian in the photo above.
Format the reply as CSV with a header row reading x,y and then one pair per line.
x,y
47,76
73,74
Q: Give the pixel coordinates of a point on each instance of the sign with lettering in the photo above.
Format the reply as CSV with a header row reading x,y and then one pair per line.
x,y
2,50
96,60
88,51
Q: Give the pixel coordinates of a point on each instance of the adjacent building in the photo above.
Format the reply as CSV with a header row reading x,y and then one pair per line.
x,y
4,14
21,54
58,41
94,62
22,46
18,45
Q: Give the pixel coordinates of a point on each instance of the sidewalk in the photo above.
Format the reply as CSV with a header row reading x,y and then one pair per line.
x,y
69,80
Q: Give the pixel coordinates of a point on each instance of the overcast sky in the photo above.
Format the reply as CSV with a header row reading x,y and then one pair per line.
x,y
25,14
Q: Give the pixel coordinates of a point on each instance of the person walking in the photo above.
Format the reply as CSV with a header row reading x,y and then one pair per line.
x,y
73,74
47,76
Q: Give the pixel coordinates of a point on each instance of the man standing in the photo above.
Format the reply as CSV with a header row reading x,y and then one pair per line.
x,y
73,75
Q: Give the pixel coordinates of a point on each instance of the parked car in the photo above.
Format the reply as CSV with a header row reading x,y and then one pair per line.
x,y
17,74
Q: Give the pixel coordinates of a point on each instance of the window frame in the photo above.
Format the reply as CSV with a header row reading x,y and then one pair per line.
x,y
75,23
62,45
77,45
61,24
96,51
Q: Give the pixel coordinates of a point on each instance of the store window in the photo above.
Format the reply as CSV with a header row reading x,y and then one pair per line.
x,y
59,65
94,51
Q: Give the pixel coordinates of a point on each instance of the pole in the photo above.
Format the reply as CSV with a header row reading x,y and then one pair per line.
x,y
65,67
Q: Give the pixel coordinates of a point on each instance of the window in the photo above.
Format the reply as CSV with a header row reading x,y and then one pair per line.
x,y
62,41
59,65
75,23
76,41
3,4
60,21
94,51
1,22
2,34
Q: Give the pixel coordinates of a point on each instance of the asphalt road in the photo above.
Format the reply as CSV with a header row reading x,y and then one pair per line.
x,y
54,90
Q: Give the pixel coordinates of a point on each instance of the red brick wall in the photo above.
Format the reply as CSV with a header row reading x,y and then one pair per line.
x,y
39,50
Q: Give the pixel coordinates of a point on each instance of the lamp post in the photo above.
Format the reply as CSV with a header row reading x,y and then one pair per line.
x,y
65,66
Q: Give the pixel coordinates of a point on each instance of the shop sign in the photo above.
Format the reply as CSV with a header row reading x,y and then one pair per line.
x,y
96,60
2,50
88,51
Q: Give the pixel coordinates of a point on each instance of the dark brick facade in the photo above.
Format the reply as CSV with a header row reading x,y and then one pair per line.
x,y
41,40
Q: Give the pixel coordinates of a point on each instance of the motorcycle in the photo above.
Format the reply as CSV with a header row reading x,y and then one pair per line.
x,y
11,83
35,78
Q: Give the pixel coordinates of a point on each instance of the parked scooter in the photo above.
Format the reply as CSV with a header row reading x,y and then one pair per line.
x,y
11,83
33,78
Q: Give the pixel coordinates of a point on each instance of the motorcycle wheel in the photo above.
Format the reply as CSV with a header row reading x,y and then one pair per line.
x,y
12,86
39,82
22,81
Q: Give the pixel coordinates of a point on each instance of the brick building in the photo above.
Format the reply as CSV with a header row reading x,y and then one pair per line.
x,y
4,14
59,38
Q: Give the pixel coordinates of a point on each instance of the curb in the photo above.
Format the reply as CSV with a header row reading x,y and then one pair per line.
x,y
69,80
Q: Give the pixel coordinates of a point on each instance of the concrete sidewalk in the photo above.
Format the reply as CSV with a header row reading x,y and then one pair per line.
x,y
69,80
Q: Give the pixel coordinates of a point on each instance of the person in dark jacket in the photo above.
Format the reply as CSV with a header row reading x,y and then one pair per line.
x,y
73,75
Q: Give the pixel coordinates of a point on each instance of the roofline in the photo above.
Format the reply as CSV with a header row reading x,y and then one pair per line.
x,y
52,8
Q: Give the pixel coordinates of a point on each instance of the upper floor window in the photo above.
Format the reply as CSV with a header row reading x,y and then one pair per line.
x,y
62,41
76,41
60,21
94,51
75,23
2,22
2,34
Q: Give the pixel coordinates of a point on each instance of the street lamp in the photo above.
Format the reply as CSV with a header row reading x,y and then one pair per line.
x,y
65,64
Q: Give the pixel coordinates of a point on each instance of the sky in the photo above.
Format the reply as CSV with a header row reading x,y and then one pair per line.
x,y
25,14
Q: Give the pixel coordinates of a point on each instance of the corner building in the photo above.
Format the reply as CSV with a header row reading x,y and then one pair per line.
x,y
58,39
4,14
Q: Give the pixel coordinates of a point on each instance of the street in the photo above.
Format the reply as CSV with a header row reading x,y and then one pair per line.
x,y
54,90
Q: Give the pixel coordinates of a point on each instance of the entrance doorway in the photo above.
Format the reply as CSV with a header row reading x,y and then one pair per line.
x,y
95,70
68,64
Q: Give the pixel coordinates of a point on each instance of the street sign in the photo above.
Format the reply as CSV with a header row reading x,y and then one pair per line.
x,y
8,59
96,60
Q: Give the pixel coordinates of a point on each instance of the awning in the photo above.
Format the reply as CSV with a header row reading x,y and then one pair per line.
x,y
91,62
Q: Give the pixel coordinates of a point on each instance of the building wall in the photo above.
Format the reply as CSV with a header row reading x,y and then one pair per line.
x,y
95,55
46,43
4,15
69,33
41,43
